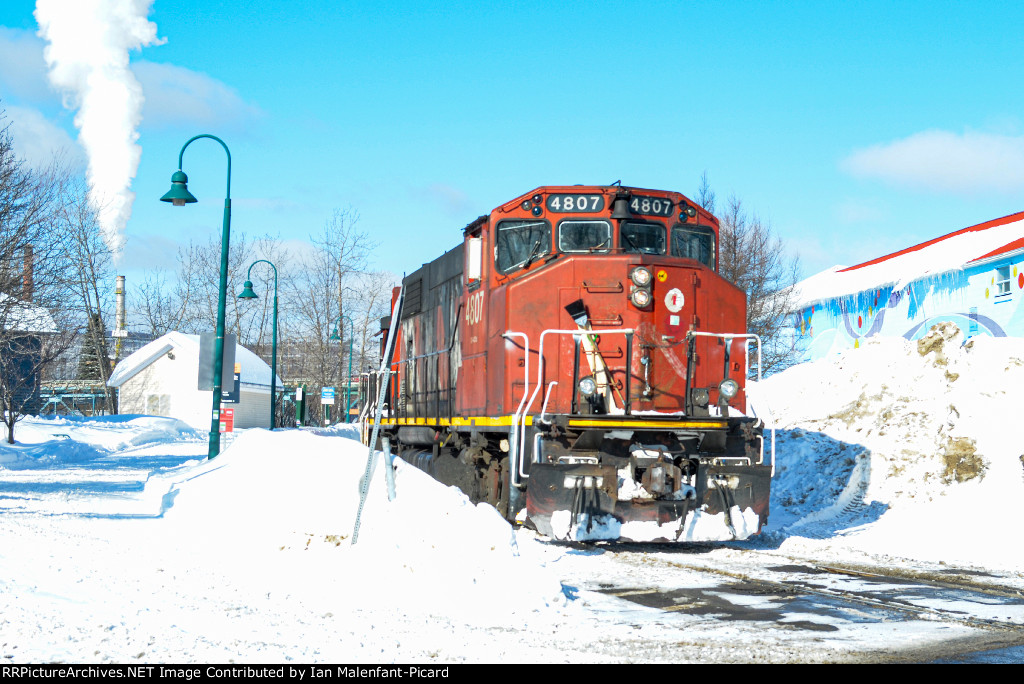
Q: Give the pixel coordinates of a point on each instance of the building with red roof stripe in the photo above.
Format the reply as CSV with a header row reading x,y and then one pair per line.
x,y
973,277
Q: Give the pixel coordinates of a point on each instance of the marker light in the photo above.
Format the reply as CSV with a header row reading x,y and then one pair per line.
x,y
588,386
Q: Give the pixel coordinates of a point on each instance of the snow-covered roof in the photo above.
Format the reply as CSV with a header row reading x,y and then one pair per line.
x,y
951,252
254,370
24,316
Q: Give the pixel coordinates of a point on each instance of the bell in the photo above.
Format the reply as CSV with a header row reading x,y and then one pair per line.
x,y
620,208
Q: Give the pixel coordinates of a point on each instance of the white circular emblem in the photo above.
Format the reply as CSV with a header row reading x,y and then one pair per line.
x,y
674,300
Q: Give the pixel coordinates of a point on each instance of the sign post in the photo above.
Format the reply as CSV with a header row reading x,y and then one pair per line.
x,y
327,401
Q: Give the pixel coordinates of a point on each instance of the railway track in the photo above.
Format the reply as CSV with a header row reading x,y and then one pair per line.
x,y
973,611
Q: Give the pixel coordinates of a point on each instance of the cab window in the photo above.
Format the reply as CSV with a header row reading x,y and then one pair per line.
x,y
637,237
694,242
520,243
584,236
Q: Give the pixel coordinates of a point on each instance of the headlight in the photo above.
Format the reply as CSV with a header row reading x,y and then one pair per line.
x,y
729,388
588,386
640,276
641,298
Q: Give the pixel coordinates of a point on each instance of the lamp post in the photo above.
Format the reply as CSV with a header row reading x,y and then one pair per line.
x,y
351,337
247,293
179,196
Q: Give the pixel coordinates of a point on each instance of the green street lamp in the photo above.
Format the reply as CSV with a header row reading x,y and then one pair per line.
x,y
179,196
351,337
247,293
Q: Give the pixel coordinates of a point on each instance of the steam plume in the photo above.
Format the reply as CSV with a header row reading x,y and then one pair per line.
x,y
87,54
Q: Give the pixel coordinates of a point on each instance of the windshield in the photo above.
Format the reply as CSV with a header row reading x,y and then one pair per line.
x,y
584,236
694,242
642,238
520,243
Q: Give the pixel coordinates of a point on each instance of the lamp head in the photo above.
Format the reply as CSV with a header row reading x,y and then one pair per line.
x,y
335,335
247,292
179,195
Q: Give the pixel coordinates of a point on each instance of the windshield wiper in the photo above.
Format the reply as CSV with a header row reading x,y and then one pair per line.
x,y
533,252
630,241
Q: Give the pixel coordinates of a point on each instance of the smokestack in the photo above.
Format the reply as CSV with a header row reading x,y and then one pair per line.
x,y
27,286
119,312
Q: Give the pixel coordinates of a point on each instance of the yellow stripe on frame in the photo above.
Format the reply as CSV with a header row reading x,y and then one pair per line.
x,y
500,421
625,423
619,423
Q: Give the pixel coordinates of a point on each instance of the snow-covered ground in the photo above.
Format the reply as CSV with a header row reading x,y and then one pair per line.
x,y
122,543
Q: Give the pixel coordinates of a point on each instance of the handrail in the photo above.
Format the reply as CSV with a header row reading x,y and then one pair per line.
x,y
747,337
517,440
574,331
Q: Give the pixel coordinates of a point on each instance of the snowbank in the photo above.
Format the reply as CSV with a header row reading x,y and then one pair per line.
x,y
290,499
49,441
903,448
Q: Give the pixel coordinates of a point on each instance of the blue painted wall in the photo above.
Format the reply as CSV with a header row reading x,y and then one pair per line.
x,y
984,299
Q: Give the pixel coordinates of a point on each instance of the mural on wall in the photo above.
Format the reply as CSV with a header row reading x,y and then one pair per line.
x,y
983,299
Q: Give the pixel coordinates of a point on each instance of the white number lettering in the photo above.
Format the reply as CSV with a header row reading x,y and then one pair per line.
x,y
475,308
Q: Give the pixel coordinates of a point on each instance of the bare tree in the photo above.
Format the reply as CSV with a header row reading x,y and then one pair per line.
x,y
33,283
705,195
326,292
92,279
329,303
372,292
156,309
753,257
189,303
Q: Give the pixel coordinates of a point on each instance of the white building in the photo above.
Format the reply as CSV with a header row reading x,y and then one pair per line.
x,y
162,379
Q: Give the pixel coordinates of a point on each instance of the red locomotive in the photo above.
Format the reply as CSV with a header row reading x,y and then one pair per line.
x,y
579,357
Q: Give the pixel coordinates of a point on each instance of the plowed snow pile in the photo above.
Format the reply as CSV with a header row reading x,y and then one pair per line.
x,y
909,449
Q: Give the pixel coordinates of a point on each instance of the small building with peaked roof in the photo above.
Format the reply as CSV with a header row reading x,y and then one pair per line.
x,y
162,379
973,277
23,327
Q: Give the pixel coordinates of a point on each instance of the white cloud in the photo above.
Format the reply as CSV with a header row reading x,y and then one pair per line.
x,y
22,68
37,140
941,161
175,95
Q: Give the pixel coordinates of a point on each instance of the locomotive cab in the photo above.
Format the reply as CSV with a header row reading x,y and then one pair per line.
x,y
579,359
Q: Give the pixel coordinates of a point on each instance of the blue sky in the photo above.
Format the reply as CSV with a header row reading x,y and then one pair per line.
x,y
854,128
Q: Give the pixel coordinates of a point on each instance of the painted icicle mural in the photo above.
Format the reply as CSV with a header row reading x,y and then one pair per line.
x,y
973,277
